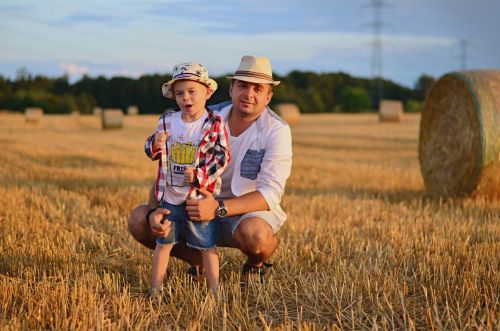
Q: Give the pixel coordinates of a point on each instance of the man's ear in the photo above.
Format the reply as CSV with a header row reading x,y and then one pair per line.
x,y
231,89
269,97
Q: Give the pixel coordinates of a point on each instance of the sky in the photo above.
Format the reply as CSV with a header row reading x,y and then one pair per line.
x,y
132,38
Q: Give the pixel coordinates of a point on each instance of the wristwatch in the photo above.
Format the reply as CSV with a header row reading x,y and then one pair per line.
x,y
221,211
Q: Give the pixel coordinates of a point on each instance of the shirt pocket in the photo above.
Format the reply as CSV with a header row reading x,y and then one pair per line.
x,y
250,165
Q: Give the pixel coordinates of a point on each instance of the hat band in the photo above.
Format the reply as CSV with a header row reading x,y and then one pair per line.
x,y
184,74
253,74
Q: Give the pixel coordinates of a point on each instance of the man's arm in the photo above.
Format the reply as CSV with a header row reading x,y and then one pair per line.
x,y
204,209
270,186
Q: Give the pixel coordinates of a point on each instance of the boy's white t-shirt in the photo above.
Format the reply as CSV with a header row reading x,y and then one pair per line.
x,y
183,141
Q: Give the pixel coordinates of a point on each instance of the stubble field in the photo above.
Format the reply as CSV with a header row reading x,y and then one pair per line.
x,y
363,247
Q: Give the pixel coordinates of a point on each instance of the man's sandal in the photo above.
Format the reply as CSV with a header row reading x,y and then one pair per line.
x,y
252,272
195,273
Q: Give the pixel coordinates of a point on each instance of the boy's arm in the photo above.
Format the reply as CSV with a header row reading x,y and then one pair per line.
x,y
152,146
151,152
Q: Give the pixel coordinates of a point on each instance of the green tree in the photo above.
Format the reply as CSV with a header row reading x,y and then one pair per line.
x,y
355,99
423,86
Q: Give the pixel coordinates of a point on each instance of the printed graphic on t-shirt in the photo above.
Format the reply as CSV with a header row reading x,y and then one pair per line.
x,y
181,155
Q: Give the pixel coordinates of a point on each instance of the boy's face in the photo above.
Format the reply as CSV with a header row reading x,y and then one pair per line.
x,y
250,99
191,97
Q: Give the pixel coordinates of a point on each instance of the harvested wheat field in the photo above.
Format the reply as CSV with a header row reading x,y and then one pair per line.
x,y
363,248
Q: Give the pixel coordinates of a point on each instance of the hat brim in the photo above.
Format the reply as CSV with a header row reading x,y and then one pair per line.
x,y
255,80
167,90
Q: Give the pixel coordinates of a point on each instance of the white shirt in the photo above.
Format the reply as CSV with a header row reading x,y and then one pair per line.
x,y
227,175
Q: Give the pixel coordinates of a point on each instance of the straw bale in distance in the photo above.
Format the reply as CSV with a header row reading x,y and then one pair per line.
x,y
288,111
132,110
112,118
459,141
33,114
390,111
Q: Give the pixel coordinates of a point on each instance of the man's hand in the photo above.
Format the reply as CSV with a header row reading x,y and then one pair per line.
x,y
189,175
202,209
160,139
155,222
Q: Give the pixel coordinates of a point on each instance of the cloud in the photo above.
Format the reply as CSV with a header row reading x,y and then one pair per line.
x,y
73,69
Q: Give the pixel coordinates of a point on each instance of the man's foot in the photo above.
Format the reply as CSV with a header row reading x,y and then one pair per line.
x,y
252,274
195,273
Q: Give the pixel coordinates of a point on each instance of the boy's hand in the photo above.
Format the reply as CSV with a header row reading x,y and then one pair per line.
x,y
160,139
189,175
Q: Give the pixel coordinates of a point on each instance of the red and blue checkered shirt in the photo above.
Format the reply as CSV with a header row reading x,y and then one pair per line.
x,y
212,156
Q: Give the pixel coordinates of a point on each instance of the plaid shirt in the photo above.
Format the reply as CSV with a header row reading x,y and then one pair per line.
x,y
212,156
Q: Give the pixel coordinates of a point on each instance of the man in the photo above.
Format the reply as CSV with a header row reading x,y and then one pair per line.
x,y
247,212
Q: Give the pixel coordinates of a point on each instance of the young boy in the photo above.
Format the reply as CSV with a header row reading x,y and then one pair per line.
x,y
193,148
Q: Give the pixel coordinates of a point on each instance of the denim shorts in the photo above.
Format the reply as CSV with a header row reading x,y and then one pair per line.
x,y
199,235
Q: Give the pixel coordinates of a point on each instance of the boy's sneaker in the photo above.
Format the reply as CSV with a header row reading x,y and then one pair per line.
x,y
155,294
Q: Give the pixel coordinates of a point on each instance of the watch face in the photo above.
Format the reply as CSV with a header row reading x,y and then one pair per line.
x,y
222,212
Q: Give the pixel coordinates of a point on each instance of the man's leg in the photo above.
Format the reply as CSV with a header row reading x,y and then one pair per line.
x,y
140,230
256,239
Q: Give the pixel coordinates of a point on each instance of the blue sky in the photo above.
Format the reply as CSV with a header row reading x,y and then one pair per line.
x,y
130,38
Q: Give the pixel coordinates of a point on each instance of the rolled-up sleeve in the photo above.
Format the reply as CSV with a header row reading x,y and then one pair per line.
x,y
276,166
151,152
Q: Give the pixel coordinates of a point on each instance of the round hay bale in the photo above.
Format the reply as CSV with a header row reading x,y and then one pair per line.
x,y
459,143
112,118
33,114
390,111
132,110
97,111
289,112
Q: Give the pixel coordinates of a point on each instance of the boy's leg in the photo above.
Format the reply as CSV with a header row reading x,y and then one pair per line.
x,y
160,263
211,266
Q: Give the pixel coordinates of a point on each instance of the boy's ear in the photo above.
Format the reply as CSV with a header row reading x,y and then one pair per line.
x,y
209,92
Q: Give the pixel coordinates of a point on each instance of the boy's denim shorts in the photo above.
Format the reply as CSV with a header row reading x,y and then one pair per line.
x,y
199,235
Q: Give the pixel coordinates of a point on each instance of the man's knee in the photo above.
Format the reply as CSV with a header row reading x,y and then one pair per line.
x,y
138,227
255,235
137,219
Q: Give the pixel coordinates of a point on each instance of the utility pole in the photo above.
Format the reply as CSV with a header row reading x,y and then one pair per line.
x,y
377,87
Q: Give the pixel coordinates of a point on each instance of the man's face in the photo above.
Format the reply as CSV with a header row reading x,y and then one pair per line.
x,y
250,99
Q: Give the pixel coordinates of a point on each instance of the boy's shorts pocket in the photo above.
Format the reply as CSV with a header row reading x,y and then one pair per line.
x,y
250,166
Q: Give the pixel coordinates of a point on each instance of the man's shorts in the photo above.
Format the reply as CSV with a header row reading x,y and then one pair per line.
x,y
225,227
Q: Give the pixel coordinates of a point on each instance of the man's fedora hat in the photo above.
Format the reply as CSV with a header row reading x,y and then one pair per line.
x,y
255,70
188,71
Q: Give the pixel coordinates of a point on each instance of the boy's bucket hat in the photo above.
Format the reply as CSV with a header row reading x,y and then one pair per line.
x,y
188,71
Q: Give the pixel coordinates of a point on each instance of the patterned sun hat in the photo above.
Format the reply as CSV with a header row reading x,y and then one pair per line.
x,y
188,71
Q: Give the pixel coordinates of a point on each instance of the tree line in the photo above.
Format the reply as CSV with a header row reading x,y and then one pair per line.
x,y
312,92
